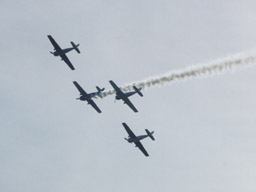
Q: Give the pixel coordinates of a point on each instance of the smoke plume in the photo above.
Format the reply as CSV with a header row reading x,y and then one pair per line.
x,y
205,70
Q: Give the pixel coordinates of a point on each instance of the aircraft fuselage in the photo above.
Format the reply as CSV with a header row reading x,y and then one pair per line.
x,y
84,98
93,94
89,96
138,138
128,94
62,52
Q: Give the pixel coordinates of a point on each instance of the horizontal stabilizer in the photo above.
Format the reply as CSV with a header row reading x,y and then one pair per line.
x,y
75,46
150,134
99,89
138,91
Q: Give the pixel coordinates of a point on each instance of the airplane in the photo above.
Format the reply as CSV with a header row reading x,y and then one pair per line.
x,y
124,96
88,97
62,52
132,138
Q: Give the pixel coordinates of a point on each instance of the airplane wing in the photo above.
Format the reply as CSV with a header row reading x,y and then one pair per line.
x,y
140,146
55,45
129,103
65,58
129,131
80,89
117,89
91,102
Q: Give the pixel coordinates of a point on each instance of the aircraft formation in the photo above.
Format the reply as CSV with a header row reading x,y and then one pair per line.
x,y
120,95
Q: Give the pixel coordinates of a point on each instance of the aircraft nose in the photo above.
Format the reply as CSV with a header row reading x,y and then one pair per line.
x,y
80,98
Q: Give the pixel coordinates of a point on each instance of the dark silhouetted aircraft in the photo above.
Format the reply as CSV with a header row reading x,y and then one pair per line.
x,y
62,52
136,139
124,96
88,97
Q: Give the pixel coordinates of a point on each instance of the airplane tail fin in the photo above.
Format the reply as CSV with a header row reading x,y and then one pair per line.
x,y
150,134
138,91
75,46
99,91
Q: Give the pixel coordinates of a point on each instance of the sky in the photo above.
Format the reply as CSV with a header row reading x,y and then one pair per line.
x,y
204,128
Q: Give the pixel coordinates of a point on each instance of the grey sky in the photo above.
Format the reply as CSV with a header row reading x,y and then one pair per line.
x,y
204,128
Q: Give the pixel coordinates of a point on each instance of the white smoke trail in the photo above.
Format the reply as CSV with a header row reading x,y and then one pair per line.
x,y
204,70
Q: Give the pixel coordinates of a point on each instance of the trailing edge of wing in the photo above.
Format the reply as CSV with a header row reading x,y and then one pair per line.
x,y
65,58
140,146
117,89
80,89
129,131
55,45
91,102
129,103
